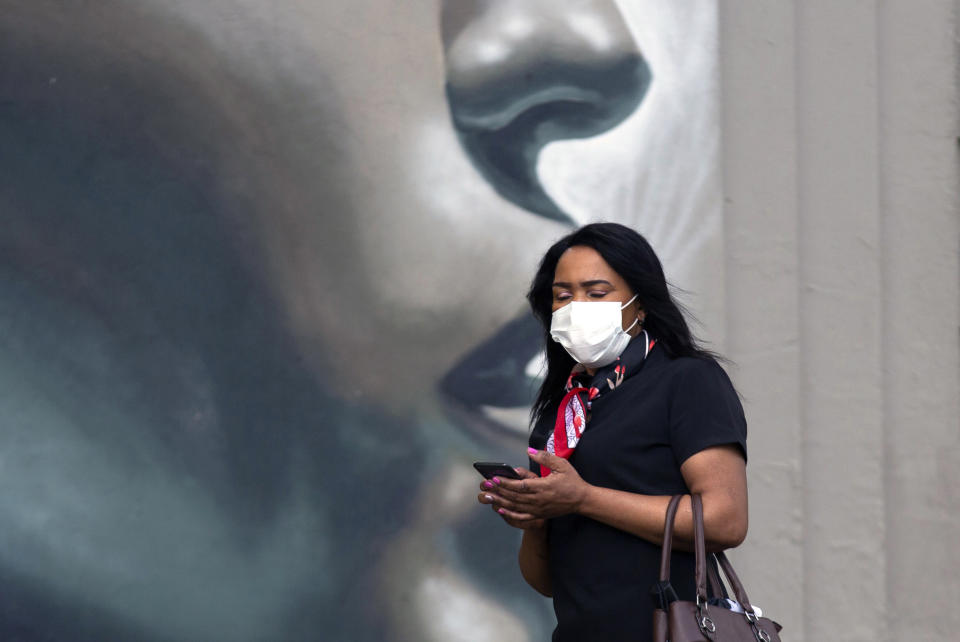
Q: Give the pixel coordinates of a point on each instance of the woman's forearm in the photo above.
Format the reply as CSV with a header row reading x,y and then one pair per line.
x,y
643,516
534,560
718,474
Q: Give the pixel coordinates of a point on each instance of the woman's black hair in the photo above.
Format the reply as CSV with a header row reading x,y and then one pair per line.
x,y
630,256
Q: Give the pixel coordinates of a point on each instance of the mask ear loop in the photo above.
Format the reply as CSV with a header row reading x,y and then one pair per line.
x,y
637,320
630,301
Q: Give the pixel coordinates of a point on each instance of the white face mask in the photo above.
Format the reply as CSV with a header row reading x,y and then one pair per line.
x,y
591,331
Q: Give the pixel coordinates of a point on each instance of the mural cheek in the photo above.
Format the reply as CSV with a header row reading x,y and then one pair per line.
x,y
429,596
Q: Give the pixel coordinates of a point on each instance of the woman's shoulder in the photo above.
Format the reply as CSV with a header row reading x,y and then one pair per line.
x,y
697,371
692,364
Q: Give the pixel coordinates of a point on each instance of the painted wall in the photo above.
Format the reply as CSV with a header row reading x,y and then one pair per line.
x,y
262,268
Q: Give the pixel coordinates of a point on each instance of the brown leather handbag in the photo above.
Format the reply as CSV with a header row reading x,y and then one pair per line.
x,y
679,621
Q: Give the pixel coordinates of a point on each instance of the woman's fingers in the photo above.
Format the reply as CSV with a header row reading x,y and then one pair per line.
x,y
497,488
504,497
516,500
520,490
515,518
517,503
547,459
513,495
498,499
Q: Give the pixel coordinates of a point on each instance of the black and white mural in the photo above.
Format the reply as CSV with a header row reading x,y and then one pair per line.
x,y
262,267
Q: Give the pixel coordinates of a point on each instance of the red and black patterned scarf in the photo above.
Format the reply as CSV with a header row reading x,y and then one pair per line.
x,y
573,413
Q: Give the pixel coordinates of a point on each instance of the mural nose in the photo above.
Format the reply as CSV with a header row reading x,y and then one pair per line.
x,y
523,73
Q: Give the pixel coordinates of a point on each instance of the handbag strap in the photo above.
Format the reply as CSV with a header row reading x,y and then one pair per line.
x,y
734,582
700,557
667,547
699,547
703,568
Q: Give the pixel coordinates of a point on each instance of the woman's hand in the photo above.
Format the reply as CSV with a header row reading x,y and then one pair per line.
x,y
490,494
533,497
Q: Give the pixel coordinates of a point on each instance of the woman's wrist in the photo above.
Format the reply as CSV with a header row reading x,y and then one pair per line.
x,y
585,499
535,541
538,530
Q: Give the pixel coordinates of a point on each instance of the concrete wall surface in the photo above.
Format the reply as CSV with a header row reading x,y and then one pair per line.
x,y
840,124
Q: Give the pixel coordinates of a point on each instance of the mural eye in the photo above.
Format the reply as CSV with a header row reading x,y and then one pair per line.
x,y
523,73
493,386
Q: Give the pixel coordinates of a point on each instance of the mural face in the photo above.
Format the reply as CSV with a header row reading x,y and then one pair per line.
x,y
262,269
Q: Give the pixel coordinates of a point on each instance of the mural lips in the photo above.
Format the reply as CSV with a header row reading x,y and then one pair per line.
x,y
490,390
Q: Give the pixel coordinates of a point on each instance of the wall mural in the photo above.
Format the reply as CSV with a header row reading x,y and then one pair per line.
x,y
262,268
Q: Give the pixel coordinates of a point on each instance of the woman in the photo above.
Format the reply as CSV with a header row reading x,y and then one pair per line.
x,y
631,412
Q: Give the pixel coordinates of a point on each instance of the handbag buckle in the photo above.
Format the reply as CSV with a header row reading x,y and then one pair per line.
x,y
703,618
762,636
707,625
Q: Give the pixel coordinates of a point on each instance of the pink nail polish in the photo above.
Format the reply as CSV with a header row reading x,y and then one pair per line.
x,y
487,485
532,451
496,480
501,511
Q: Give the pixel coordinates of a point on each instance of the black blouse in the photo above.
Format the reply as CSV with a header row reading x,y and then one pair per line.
x,y
636,439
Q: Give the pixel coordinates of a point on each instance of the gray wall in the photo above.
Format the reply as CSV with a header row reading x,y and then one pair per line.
x,y
843,306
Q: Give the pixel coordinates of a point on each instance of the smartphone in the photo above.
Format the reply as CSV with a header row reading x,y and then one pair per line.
x,y
495,469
